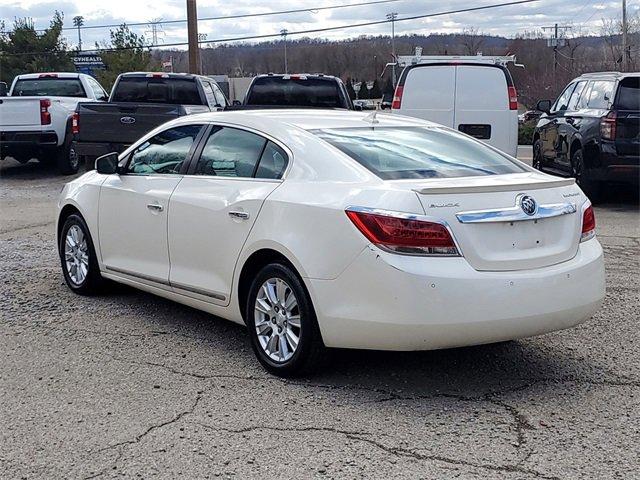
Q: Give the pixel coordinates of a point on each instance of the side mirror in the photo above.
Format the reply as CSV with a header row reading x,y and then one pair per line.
x,y
3,89
358,107
237,102
107,164
544,106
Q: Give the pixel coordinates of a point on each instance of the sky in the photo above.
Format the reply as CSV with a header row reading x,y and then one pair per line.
x,y
585,16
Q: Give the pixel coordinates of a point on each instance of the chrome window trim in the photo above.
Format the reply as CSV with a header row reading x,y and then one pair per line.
x,y
409,216
515,213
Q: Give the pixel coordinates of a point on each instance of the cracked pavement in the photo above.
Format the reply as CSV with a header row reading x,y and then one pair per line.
x,y
128,385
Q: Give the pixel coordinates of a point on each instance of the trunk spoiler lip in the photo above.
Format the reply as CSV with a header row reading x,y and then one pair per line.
x,y
515,184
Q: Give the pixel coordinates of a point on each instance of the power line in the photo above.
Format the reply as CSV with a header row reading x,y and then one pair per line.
x,y
315,30
243,15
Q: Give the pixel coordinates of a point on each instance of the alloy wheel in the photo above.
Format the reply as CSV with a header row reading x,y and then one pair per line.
x,y
277,320
76,255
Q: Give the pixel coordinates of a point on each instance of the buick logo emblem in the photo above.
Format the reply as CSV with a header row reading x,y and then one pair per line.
x,y
127,120
528,205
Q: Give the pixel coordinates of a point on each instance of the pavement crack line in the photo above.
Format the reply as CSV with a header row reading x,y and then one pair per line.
x,y
119,447
396,451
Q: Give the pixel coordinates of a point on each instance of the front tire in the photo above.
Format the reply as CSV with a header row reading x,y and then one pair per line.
x,y
537,154
78,257
282,323
591,188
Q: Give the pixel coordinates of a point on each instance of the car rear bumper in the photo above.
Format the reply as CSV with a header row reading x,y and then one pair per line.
x,y
617,168
18,141
384,301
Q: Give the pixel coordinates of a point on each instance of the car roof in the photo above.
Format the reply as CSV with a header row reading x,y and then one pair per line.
x,y
28,76
289,76
609,75
306,119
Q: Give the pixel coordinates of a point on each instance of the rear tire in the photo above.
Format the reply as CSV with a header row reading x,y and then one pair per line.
x,y
78,257
282,323
591,188
67,159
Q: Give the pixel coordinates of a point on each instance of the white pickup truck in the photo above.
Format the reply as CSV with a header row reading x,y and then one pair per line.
x,y
36,118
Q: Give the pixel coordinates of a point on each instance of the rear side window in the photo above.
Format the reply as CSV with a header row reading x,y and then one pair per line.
x,y
272,162
629,94
176,91
418,152
55,87
311,92
230,152
601,94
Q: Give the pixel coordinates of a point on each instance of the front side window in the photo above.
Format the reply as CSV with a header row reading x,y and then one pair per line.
x,y
601,94
394,153
164,153
574,101
230,152
55,87
563,100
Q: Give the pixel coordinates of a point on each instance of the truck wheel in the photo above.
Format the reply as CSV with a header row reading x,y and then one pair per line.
x,y
591,188
67,158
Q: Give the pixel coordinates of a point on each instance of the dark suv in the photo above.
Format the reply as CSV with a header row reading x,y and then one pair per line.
x,y
592,131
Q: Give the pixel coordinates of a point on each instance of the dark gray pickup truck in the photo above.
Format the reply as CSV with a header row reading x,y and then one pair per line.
x,y
139,102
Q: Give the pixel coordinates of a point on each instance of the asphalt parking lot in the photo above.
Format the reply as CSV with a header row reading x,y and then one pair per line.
x,y
128,385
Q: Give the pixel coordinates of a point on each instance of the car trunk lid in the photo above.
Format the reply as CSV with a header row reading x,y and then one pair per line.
x,y
490,225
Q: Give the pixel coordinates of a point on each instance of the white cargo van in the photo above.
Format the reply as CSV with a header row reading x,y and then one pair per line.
x,y
474,97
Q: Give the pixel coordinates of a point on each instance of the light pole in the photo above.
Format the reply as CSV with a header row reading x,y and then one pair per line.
x,y
78,21
392,18
284,32
201,38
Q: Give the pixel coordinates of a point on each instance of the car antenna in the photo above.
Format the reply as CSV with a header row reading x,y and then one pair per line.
x,y
372,117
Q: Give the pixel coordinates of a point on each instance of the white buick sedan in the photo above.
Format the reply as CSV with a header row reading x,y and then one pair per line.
x,y
336,229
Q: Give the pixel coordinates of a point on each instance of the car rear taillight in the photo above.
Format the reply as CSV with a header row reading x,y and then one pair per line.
x,y
75,123
608,126
397,97
513,97
45,116
402,233
588,224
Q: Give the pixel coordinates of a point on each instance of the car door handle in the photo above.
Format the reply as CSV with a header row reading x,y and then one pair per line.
x,y
155,207
240,215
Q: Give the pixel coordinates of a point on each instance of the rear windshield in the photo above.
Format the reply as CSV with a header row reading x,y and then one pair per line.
x,y
54,87
629,94
418,152
177,91
295,92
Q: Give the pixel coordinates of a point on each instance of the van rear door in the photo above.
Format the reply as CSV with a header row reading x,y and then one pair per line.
x,y
429,93
482,106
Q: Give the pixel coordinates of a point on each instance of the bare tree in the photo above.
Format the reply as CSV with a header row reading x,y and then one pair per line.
x,y
472,41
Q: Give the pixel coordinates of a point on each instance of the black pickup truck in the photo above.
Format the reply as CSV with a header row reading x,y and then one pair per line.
x,y
138,103
296,91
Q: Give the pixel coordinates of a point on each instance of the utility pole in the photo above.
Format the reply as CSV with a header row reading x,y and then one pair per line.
x,y
556,42
192,34
625,45
284,32
392,18
78,21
